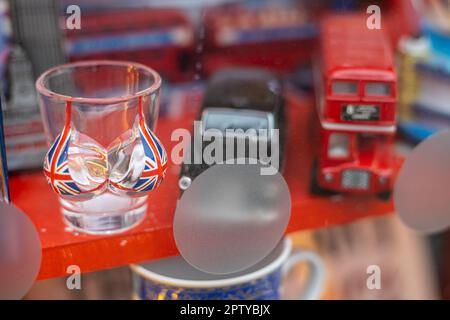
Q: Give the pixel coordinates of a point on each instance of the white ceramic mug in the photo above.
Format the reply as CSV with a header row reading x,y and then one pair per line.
x,y
173,278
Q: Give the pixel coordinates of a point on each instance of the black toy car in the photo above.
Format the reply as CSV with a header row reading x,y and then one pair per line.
x,y
239,98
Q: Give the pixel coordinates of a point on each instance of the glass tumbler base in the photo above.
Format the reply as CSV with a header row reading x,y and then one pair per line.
x,y
102,222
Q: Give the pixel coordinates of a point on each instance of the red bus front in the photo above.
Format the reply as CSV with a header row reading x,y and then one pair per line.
x,y
357,120
356,91
357,162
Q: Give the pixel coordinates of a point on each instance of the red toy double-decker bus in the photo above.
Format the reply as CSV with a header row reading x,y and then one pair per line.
x,y
279,38
356,103
161,38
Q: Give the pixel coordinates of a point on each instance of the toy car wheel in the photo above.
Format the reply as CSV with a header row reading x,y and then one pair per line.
x,y
314,187
385,195
184,182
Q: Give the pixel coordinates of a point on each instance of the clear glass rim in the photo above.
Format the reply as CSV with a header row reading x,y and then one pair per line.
x,y
42,89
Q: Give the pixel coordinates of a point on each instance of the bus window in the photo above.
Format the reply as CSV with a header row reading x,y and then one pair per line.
x,y
378,89
344,88
339,146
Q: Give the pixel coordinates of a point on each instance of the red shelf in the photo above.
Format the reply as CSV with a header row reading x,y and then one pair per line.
x,y
153,238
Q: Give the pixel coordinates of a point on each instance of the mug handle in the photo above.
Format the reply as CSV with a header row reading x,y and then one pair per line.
x,y
316,282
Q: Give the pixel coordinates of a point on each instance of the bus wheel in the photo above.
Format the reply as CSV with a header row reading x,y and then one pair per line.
x,y
385,195
314,187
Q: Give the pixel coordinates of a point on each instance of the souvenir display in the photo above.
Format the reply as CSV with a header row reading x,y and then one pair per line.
x,y
24,133
246,106
226,150
161,38
174,278
103,158
356,104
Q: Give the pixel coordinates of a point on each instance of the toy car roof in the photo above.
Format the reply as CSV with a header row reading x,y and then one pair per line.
x,y
244,88
351,49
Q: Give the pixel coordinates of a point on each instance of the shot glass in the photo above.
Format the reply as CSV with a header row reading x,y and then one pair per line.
x,y
94,115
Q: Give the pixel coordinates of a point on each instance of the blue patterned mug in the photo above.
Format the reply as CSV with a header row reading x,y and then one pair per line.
x,y
173,278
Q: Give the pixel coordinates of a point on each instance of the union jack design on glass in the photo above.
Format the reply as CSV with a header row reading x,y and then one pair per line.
x,y
56,168
56,163
155,159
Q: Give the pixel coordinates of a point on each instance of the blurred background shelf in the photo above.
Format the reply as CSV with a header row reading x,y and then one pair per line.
x,y
349,233
153,238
